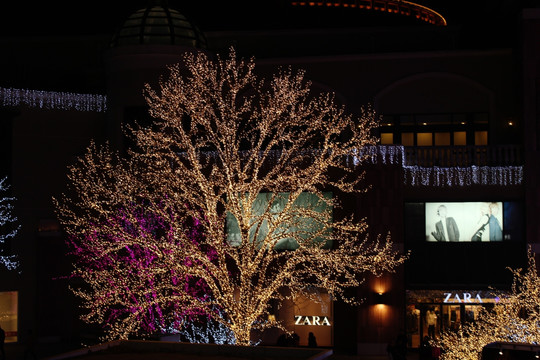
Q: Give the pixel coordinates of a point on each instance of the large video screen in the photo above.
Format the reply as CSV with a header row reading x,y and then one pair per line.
x,y
302,227
464,221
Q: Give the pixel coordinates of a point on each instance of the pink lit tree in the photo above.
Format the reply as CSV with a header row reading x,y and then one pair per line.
x,y
140,304
262,164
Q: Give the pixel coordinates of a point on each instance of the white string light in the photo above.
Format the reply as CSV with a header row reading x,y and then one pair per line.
x,y
7,221
463,176
53,100
374,154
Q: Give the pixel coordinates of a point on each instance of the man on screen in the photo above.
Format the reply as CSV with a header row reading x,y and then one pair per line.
x,y
446,228
495,230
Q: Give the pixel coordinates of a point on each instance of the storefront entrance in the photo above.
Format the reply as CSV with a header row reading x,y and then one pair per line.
x,y
429,312
9,314
305,316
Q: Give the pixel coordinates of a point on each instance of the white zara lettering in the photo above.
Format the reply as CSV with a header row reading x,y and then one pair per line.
x,y
446,299
464,298
311,320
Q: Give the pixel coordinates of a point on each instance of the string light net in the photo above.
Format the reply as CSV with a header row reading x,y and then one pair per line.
x,y
515,317
8,228
231,150
53,100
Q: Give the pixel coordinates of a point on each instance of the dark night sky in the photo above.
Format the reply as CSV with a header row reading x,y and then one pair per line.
x,y
22,18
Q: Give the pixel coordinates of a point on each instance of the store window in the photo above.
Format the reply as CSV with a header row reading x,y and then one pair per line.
x,y
429,312
8,314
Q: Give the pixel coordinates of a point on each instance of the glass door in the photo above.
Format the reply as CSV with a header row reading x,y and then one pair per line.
x,y
451,317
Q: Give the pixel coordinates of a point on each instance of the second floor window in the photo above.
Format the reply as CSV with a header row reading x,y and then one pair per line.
x,y
457,129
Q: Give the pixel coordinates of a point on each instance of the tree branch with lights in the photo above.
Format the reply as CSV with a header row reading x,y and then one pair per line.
x,y
260,165
8,228
515,317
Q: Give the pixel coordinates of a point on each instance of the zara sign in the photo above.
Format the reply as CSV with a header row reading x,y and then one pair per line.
x,y
311,320
464,297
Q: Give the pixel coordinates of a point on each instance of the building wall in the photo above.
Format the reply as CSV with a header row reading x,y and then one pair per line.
x,y
45,142
531,98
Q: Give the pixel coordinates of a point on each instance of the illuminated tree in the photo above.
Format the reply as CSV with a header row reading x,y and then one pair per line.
x,y
515,317
8,229
262,164
134,303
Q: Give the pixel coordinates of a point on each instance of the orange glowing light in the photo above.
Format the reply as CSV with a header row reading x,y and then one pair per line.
x,y
401,7
380,289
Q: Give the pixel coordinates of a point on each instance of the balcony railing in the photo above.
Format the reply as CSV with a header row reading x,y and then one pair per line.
x,y
463,156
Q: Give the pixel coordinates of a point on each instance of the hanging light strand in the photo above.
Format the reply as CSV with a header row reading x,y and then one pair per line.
x,y
463,176
53,100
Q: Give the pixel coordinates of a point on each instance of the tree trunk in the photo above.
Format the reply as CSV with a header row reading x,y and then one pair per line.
x,y
242,333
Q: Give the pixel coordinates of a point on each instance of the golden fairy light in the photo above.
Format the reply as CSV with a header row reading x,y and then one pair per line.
x,y
260,164
515,317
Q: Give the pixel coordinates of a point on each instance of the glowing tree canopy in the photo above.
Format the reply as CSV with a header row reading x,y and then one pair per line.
x,y
514,318
8,229
260,166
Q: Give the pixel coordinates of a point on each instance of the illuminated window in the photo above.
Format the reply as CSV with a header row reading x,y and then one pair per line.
x,y
442,138
460,138
480,138
387,138
433,129
424,139
8,314
407,139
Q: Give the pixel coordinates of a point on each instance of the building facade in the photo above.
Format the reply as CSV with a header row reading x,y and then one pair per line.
x,y
458,139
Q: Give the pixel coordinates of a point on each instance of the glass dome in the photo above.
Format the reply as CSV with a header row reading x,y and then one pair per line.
x,y
158,24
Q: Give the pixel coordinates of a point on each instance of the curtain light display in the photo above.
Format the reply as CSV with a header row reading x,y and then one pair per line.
x,y
53,100
419,175
379,154
463,176
514,318
221,137
8,222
